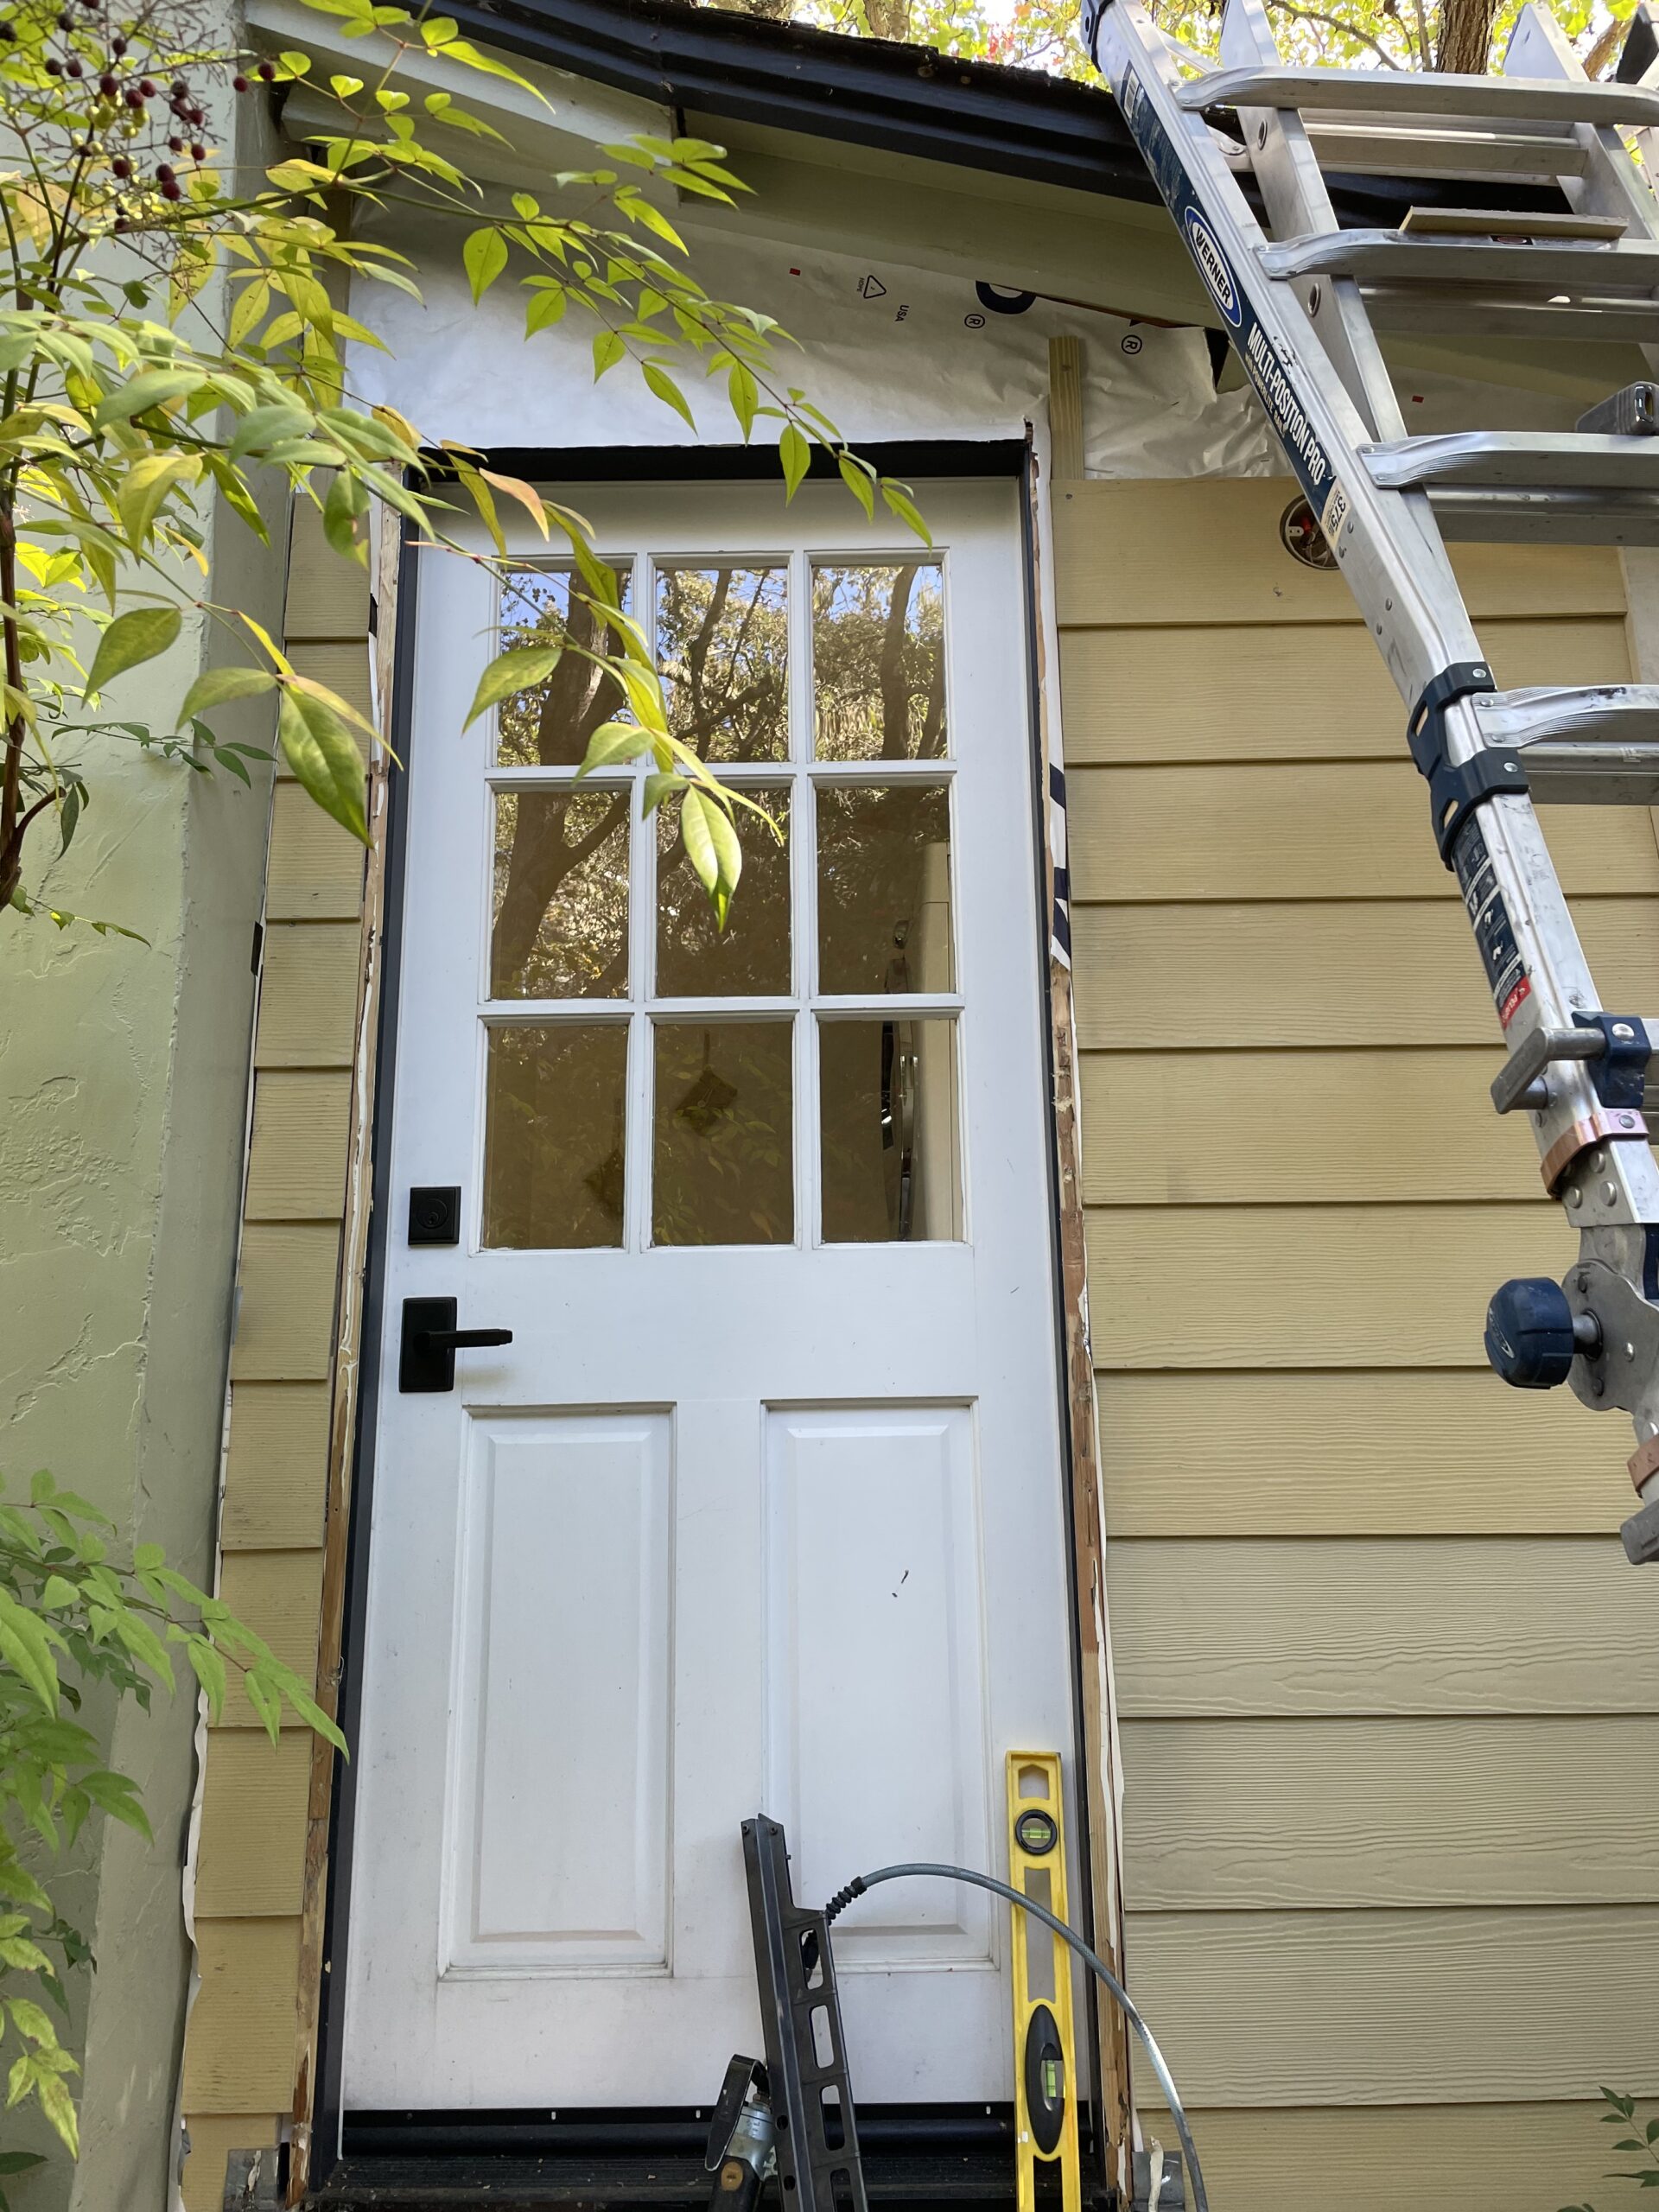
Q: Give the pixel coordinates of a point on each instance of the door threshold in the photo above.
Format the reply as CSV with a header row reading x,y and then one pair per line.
x,y
917,2159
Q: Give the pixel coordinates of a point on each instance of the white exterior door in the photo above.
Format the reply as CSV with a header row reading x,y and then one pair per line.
x,y
762,1508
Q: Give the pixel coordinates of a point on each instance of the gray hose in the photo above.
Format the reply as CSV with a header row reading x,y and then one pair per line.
x,y
1095,1964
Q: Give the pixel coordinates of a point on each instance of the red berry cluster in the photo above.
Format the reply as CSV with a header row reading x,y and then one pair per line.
x,y
128,99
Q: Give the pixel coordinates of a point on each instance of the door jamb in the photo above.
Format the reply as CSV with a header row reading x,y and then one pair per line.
x,y
318,2096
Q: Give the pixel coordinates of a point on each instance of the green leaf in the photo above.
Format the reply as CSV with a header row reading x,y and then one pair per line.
x,y
138,1637
267,426
323,754
608,350
856,477
348,499
146,486
745,397
59,2107
712,847
795,453
22,1888
289,1685
657,380
150,388
115,1795
18,1951
484,256
659,786
132,637
22,1641
57,1592
899,502
208,1667
640,210
265,1701
613,741
547,304
20,2162
37,2026
214,686
511,671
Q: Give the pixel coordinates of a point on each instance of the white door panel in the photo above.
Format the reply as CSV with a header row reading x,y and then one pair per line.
x,y
762,1508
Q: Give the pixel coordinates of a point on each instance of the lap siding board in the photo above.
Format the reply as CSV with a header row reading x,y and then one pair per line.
x,y
1389,1688
242,2041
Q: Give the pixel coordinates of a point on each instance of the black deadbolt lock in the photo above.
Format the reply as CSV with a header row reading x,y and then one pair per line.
x,y
427,1360
435,1214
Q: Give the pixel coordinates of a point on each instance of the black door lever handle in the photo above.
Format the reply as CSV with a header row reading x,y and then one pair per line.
x,y
430,1340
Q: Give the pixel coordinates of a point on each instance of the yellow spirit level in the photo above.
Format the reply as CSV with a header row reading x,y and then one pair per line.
x,y
1044,2072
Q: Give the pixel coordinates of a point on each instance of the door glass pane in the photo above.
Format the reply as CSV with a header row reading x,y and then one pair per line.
x,y
549,724
722,647
878,661
883,888
723,1171
887,1097
554,1110
561,926
750,958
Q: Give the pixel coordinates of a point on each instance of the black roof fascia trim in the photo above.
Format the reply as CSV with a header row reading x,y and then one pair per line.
x,y
904,99
907,100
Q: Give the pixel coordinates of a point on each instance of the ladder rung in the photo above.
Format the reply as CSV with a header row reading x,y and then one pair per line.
x,y
1500,314
1588,774
1472,516
1510,223
1540,461
1409,94
1615,715
1393,256
1418,149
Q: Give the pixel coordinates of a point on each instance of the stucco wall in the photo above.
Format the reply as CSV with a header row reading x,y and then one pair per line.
x,y
123,1088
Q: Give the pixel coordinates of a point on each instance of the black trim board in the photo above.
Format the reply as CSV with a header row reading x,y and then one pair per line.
x,y
931,458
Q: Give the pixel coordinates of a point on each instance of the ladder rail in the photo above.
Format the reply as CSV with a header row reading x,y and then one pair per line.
x,y
1389,548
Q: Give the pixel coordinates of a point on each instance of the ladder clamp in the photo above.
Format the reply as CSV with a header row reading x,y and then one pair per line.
x,y
1616,1049
1456,788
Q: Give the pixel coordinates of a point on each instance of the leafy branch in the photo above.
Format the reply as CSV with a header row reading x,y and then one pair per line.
x,y
170,336
72,1617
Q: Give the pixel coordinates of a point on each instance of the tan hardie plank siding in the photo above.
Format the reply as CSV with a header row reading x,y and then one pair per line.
x,y
1389,1689
241,2046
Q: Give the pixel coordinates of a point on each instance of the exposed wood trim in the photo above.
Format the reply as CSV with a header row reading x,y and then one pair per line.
x,y
1065,406
347,1364
1088,1522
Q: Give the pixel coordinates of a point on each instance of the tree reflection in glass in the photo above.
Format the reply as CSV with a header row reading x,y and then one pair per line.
x,y
724,1111
884,888
560,896
723,650
555,1114
878,661
549,724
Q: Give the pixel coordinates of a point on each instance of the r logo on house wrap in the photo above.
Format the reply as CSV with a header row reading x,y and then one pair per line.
x,y
1212,267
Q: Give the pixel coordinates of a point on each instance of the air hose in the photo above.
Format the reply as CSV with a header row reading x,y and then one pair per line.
x,y
1097,1965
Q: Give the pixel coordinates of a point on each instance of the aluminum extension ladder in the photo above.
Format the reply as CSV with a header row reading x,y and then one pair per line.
x,y
1303,301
